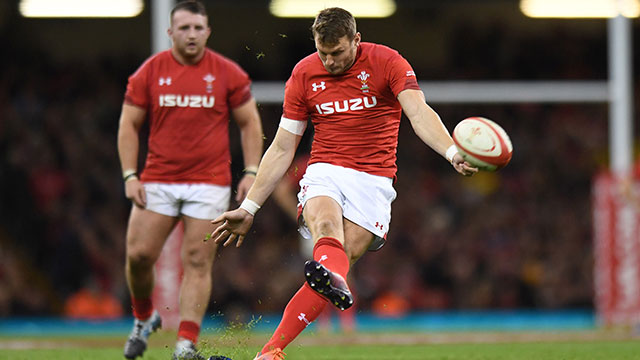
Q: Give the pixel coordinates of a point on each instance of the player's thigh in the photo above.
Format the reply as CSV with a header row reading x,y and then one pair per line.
x,y
323,216
198,249
201,204
356,240
147,233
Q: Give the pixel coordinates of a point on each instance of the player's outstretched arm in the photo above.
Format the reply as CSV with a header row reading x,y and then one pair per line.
x,y
234,225
251,137
131,120
429,127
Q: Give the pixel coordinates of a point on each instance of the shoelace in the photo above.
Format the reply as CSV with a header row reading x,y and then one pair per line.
x,y
137,329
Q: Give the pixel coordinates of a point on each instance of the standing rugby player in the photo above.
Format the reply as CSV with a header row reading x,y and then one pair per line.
x,y
187,93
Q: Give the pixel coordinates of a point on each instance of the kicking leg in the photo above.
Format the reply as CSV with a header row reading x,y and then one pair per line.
x,y
324,218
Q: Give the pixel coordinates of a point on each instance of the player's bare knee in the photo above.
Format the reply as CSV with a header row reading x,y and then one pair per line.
x,y
194,268
196,262
140,260
326,227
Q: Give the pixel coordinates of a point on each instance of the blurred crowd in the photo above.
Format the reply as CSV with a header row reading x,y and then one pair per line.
x,y
518,238
63,214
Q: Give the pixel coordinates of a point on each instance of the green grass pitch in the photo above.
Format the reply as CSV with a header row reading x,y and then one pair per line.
x,y
431,346
535,351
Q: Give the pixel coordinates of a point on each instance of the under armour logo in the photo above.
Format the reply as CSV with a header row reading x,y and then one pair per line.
x,y
323,258
378,225
320,86
303,317
164,81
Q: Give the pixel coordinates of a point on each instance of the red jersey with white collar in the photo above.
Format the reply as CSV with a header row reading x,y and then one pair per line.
x,y
188,110
356,115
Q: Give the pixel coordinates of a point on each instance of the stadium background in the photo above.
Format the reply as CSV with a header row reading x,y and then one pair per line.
x,y
517,239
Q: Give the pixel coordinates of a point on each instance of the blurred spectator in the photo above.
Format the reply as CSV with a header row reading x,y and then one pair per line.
x,y
93,302
390,304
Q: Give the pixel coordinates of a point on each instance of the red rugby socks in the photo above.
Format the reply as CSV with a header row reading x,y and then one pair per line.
x,y
188,330
305,306
302,309
142,308
330,253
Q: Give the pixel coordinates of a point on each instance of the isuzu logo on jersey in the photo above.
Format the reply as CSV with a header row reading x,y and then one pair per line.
x,y
192,101
320,86
356,104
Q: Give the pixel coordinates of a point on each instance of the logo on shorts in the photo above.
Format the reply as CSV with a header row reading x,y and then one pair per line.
x,y
378,225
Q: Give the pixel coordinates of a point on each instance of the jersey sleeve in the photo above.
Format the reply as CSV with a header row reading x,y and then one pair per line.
x,y
239,86
400,74
294,107
137,90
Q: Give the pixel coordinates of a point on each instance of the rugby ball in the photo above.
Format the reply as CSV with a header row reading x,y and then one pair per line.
x,y
483,143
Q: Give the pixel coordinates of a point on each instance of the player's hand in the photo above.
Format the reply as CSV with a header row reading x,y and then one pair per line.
x,y
243,186
462,166
232,225
134,191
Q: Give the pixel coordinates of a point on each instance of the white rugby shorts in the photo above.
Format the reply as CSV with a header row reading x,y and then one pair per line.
x,y
200,201
365,199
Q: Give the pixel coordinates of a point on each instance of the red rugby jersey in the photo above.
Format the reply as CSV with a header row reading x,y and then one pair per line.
x,y
356,115
188,111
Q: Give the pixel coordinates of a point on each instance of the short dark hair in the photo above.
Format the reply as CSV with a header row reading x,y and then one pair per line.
x,y
332,24
192,6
